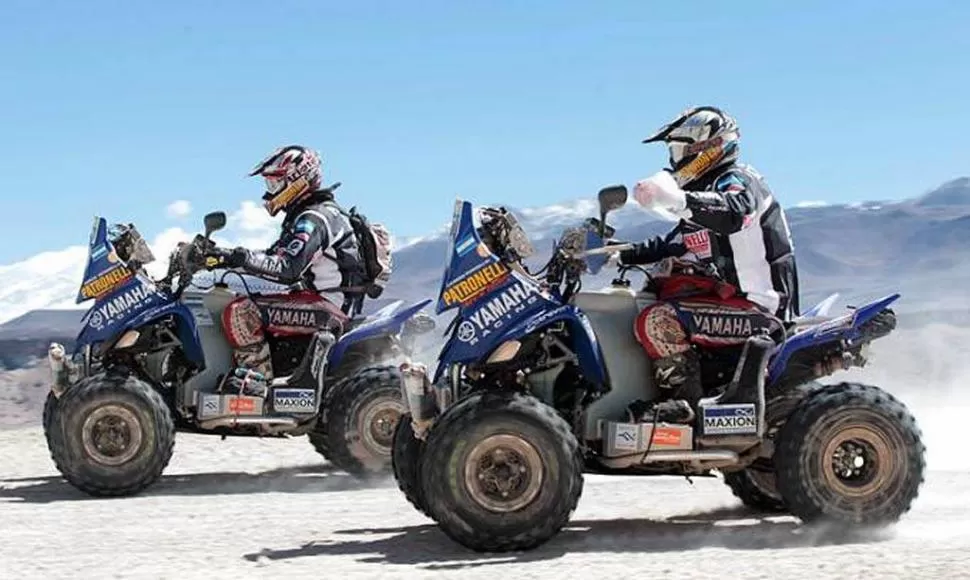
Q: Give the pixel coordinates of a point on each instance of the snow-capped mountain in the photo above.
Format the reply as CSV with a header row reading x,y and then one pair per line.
x,y
919,246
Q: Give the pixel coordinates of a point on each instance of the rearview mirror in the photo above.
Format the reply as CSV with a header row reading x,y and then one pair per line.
x,y
611,198
214,221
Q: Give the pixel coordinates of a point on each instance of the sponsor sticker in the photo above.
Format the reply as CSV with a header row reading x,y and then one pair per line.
x,y
242,405
496,311
120,306
667,437
294,400
466,331
466,290
465,246
736,419
626,436
698,243
723,325
291,317
101,285
210,406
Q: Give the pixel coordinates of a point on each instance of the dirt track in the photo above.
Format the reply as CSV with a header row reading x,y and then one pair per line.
x,y
271,509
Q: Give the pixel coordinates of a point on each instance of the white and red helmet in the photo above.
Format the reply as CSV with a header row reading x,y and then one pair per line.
x,y
291,174
699,139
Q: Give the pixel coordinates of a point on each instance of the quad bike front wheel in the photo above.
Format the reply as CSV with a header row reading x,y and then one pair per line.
x,y
358,422
111,435
851,455
501,472
405,454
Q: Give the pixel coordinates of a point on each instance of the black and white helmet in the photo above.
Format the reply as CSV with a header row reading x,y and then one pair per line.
x,y
699,140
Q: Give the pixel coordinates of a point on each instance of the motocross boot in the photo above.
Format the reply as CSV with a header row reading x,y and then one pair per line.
x,y
253,373
679,378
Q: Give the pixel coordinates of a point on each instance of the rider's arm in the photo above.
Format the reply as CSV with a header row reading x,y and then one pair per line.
x,y
296,252
725,209
650,251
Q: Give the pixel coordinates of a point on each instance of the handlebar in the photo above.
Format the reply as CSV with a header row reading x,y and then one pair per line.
x,y
609,249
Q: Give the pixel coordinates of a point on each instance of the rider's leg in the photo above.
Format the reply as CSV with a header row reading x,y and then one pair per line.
x,y
243,327
676,366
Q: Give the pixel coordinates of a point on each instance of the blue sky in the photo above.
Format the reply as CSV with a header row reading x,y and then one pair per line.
x,y
120,108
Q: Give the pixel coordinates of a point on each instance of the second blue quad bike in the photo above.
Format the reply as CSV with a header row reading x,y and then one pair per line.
x,y
151,359
535,384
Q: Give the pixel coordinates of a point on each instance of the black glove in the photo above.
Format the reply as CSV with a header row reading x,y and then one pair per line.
x,y
219,258
651,251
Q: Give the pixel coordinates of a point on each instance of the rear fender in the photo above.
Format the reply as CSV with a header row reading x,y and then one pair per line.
x,y
385,323
585,344
842,328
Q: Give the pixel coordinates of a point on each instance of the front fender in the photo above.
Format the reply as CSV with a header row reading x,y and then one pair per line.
x,y
186,329
584,342
386,324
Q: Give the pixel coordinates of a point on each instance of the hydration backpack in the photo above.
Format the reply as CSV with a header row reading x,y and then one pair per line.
x,y
374,242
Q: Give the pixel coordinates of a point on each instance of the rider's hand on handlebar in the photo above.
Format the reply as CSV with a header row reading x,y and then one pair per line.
x,y
220,258
652,251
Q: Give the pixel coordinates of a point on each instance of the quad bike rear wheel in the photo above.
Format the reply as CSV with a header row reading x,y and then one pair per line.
x,y
405,455
756,488
851,455
111,435
358,421
501,472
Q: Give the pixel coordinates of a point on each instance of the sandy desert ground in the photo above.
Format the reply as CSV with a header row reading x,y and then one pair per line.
x,y
250,508
272,509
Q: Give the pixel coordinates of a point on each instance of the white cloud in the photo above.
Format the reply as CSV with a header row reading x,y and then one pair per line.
x,y
178,209
812,204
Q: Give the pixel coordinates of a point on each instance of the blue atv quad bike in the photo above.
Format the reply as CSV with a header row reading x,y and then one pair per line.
x,y
535,384
151,359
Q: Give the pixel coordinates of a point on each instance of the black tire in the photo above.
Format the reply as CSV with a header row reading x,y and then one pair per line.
x,y
52,429
756,488
357,425
49,416
532,431
405,457
879,427
143,422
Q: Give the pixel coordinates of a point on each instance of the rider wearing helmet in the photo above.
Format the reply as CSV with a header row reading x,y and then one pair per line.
x,y
316,252
730,267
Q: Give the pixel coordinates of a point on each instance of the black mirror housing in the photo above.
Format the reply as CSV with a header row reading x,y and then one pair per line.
x,y
214,221
611,198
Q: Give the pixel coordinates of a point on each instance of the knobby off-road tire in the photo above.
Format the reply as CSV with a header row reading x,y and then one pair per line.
x,y
850,455
488,444
756,486
405,455
756,489
52,430
357,425
113,435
